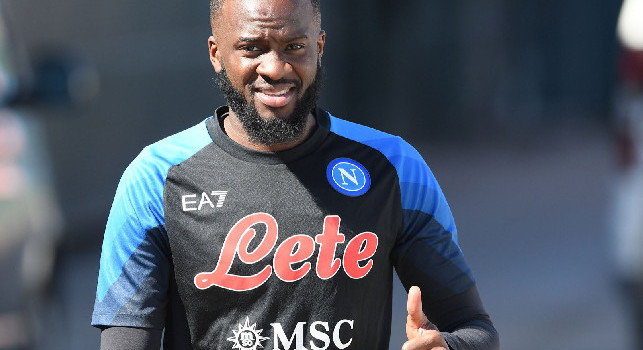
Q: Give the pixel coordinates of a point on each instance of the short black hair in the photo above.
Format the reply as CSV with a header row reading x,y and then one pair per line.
x,y
215,6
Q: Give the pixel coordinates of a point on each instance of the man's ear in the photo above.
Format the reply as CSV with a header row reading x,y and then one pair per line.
x,y
321,40
215,54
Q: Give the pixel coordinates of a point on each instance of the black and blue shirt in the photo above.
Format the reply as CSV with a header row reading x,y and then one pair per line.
x,y
231,248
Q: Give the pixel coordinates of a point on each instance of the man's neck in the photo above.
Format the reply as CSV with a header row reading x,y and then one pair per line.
x,y
234,129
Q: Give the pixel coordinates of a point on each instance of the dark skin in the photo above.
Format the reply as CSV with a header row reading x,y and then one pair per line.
x,y
262,41
421,334
270,49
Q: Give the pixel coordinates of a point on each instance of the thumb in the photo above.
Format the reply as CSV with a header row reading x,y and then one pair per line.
x,y
416,318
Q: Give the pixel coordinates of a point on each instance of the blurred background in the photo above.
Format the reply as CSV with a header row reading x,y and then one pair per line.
x,y
530,113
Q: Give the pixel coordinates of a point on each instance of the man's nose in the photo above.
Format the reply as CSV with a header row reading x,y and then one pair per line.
x,y
273,66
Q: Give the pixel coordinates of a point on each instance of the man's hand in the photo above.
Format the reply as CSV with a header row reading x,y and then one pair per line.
x,y
422,334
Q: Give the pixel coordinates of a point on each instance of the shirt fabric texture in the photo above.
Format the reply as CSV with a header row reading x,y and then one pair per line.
x,y
226,247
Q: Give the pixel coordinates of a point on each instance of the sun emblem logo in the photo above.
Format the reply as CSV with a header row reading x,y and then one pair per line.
x,y
247,337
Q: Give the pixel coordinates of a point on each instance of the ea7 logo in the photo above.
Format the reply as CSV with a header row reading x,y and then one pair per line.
x,y
357,255
189,201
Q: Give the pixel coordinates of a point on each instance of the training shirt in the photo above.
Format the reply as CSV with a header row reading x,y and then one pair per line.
x,y
227,247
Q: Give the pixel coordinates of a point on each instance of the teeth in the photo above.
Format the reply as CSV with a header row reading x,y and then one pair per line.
x,y
279,93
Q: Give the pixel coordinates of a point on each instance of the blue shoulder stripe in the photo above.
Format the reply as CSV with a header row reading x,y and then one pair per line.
x,y
420,189
138,203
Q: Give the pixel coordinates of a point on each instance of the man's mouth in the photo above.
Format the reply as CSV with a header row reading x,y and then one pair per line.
x,y
275,97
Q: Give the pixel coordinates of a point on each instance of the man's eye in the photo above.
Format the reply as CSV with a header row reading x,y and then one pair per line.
x,y
293,47
251,48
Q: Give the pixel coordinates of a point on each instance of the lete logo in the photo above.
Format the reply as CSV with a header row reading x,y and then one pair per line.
x,y
357,255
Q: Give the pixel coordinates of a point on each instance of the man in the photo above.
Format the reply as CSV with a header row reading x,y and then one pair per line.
x,y
276,225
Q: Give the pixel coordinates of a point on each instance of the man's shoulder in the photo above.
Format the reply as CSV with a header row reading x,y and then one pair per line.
x,y
179,146
176,148
391,146
156,158
357,132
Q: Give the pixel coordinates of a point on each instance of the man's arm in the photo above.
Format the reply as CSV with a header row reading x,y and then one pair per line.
x,y
120,338
134,273
474,334
463,321
427,255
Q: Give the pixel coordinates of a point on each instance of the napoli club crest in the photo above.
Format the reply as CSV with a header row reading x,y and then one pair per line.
x,y
348,177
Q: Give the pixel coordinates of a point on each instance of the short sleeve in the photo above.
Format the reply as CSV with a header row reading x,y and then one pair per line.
x,y
133,279
135,264
426,253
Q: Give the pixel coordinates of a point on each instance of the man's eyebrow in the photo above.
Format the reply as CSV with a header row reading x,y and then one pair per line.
x,y
248,40
297,37
244,40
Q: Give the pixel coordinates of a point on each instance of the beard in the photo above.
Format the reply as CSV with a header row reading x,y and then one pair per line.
x,y
276,130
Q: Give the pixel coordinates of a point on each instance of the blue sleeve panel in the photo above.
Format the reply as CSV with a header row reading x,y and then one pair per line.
x,y
427,247
135,266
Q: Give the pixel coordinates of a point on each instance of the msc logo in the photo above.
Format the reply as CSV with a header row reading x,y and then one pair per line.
x,y
348,177
323,335
247,337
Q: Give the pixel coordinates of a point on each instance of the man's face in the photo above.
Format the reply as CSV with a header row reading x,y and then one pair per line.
x,y
269,52
274,130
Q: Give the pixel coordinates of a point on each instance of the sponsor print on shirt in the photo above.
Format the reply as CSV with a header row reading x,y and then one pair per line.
x,y
248,337
189,202
356,259
348,177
